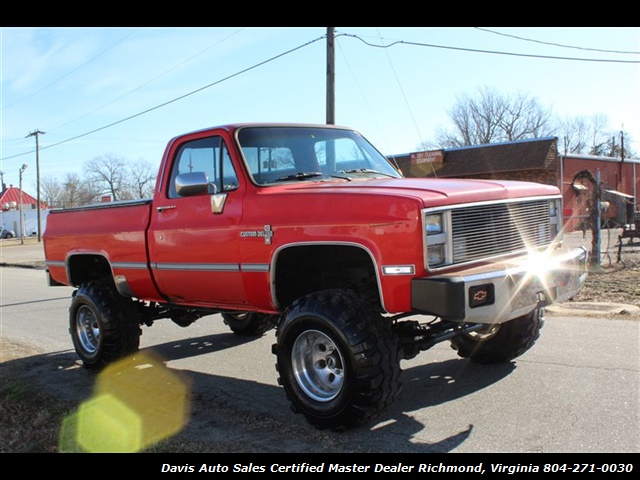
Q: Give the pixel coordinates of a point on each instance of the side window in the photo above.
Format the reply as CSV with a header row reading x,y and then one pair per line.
x,y
227,180
209,155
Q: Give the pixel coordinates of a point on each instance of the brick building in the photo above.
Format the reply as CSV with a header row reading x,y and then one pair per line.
x,y
538,160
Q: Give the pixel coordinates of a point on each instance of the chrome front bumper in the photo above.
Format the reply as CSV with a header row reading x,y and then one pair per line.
x,y
502,291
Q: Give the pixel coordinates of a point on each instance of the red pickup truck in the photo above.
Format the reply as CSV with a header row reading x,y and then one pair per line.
x,y
309,230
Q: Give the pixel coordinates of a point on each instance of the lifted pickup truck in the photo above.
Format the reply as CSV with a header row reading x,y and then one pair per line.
x,y
309,230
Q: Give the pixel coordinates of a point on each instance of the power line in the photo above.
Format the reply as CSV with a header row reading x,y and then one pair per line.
x,y
406,102
491,52
193,92
399,42
166,72
70,72
556,44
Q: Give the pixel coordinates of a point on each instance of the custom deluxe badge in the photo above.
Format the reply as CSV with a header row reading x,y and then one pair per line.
x,y
267,234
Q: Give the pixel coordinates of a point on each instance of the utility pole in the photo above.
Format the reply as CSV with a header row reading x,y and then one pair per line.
x,y
330,76
35,134
621,186
597,226
22,169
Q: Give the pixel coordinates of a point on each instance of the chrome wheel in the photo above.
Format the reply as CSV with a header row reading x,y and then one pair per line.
x,y
317,365
88,330
337,359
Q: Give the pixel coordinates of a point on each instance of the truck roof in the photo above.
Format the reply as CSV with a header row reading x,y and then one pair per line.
x,y
230,127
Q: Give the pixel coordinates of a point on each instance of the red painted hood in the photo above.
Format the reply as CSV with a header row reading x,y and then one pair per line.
x,y
432,191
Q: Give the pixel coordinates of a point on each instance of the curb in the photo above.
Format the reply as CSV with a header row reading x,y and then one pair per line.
x,y
34,265
593,309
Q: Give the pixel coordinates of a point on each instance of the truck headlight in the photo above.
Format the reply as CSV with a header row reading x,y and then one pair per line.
x,y
435,255
433,224
437,228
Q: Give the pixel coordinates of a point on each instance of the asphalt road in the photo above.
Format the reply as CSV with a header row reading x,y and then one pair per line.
x,y
577,390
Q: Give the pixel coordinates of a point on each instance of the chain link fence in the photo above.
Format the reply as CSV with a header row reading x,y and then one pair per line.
x,y
614,248
604,222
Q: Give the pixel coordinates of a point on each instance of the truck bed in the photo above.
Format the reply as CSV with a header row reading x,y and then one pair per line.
x,y
114,233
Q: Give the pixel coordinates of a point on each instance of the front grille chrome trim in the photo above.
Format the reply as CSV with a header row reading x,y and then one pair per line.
x,y
486,231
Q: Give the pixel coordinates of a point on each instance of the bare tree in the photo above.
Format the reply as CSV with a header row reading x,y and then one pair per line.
x,y
493,117
524,118
77,192
108,174
52,192
142,179
613,146
120,179
592,136
573,134
599,127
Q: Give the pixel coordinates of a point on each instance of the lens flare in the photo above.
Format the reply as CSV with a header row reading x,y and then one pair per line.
x,y
137,402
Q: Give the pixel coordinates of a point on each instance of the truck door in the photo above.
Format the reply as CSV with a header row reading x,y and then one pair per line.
x,y
193,235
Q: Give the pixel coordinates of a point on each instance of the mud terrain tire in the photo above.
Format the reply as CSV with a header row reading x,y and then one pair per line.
x,y
501,342
103,325
337,359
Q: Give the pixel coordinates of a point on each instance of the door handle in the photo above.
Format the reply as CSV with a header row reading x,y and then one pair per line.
x,y
166,207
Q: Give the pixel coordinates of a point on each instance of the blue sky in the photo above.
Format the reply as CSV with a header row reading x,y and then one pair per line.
x,y
127,91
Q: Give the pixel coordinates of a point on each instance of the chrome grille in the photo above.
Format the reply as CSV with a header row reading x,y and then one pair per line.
x,y
486,231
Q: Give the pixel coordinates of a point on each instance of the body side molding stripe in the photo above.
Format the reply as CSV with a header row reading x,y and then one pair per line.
x,y
255,267
198,267
56,263
132,265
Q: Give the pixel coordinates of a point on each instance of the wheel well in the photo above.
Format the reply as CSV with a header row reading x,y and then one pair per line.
x,y
87,267
303,269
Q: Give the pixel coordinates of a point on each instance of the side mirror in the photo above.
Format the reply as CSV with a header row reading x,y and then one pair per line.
x,y
190,184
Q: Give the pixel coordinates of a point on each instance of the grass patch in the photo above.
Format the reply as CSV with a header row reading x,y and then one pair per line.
x,y
29,420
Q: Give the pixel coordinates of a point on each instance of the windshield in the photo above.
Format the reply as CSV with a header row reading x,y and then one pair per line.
x,y
285,154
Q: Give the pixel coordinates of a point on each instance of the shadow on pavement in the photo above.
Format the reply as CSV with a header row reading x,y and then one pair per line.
x,y
239,415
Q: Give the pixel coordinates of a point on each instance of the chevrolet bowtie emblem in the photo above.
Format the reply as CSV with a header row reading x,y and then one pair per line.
x,y
480,295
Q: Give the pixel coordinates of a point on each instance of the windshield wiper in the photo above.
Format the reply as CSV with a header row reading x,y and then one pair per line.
x,y
366,170
299,176
305,175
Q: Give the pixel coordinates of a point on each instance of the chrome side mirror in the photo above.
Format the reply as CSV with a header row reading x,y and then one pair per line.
x,y
194,183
